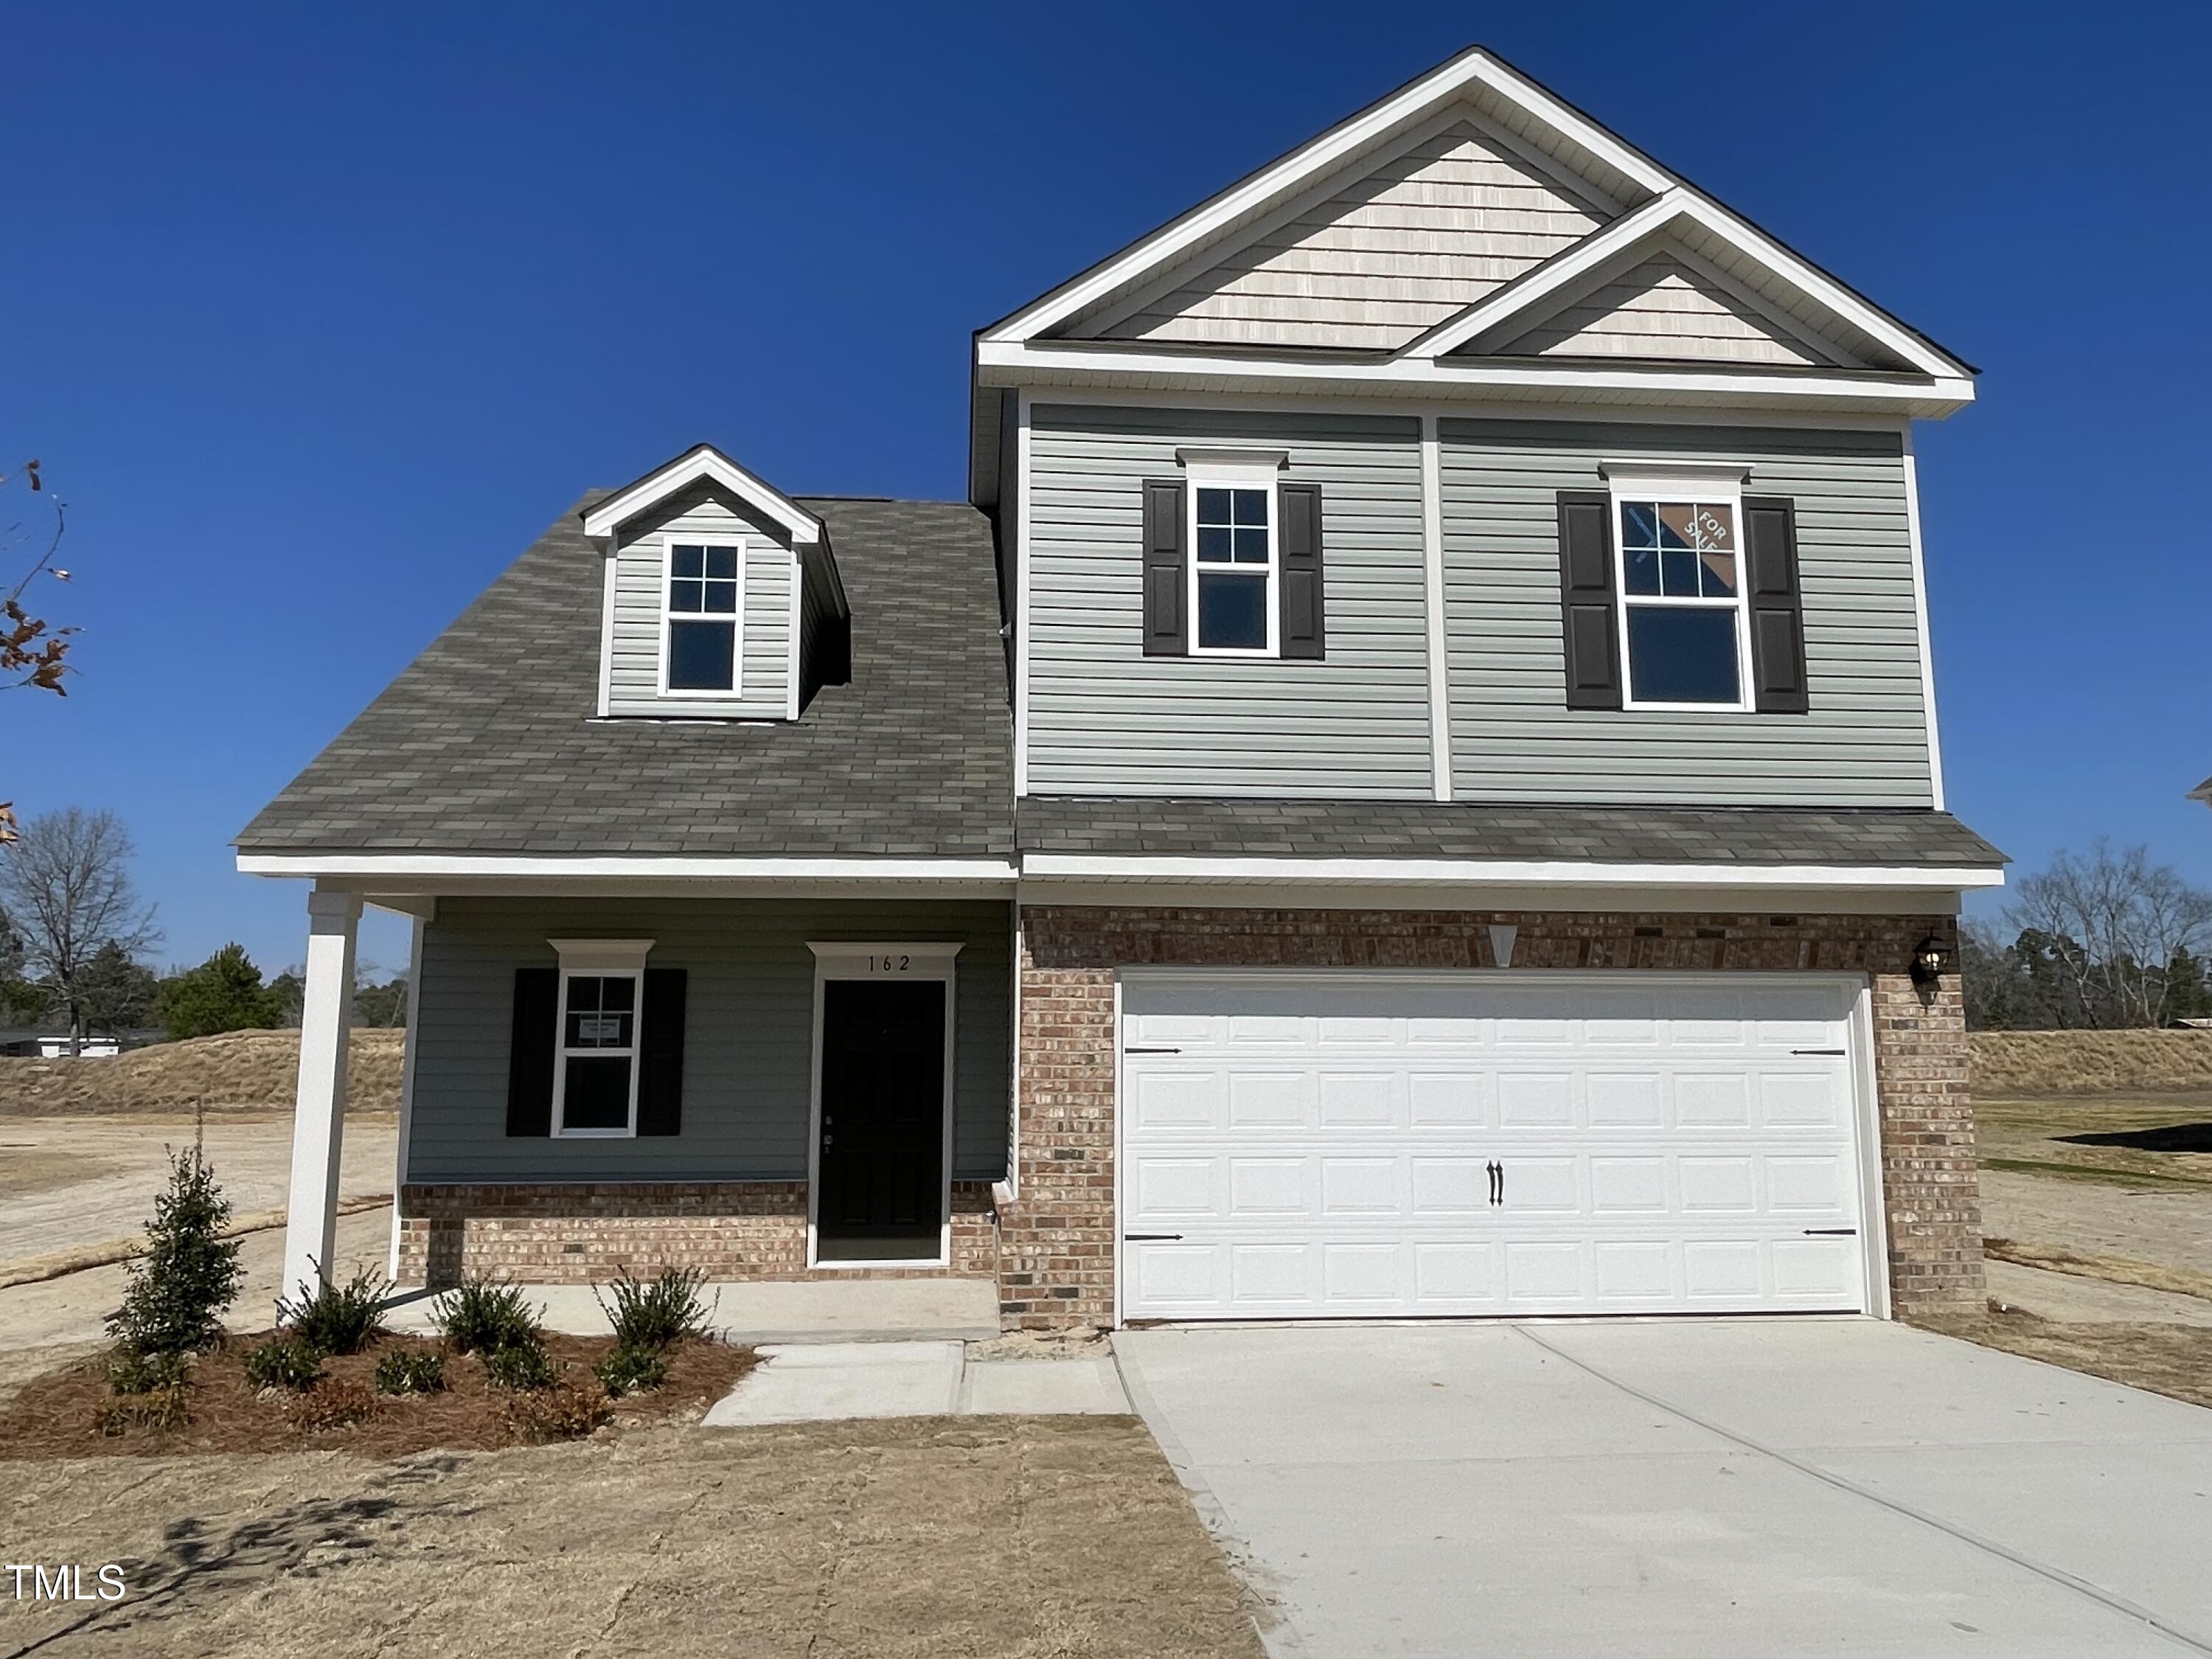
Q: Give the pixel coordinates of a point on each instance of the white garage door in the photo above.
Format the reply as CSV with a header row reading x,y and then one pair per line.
x,y
1348,1144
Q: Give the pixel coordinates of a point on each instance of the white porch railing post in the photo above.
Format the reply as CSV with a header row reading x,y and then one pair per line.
x,y
319,1115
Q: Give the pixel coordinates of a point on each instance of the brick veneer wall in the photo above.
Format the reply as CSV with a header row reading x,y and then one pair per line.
x,y
1056,1246
552,1233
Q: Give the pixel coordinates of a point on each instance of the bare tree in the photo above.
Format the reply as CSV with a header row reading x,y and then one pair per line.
x,y
65,886
31,652
2110,925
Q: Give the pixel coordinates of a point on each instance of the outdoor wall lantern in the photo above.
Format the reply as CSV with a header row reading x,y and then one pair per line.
x,y
1931,960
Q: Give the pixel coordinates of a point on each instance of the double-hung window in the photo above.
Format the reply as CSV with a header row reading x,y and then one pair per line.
x,y
596,1043
703,616
1235,564
1683,633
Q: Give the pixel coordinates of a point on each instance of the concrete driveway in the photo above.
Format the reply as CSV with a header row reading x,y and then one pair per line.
x,y
1708,1488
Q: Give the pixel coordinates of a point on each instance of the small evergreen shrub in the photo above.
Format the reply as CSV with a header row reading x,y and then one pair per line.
x,y
187,1274
401,1372
332,1403
628,1370
337,1319
564,1411
654,1314
284,1362
519,1367
479,1316
130,1372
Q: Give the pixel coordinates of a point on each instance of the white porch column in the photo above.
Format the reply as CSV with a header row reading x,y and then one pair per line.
x,y
319,1117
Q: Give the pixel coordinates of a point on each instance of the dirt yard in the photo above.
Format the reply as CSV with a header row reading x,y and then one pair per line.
x,y
1047,1537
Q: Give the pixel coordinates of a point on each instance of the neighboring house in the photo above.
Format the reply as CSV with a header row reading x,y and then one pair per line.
x,y
1411,787
36,1044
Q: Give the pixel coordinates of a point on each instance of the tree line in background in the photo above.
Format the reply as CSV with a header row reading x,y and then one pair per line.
x,y
2099,940
74,934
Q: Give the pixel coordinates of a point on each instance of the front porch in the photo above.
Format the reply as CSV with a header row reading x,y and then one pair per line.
x,y
779,1090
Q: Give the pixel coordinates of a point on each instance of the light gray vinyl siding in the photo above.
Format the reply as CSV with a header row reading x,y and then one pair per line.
x,y
1105,719
764,666
749,1032
1863,744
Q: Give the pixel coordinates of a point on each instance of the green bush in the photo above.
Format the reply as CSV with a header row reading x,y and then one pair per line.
x,y
187,1274
223,994
129,1372
479,1316
519,1367
284,1362
402,1372
654,1314
628,1370
337,1319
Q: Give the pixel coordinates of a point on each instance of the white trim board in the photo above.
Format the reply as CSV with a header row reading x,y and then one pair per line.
x,y
702,463
1501,873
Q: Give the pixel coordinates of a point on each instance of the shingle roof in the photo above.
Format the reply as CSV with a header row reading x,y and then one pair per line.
x,y
486,742
1473,830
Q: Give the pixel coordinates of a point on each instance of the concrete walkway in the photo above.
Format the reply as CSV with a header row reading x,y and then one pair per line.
x,y
1714,1488
809,1310
816,1382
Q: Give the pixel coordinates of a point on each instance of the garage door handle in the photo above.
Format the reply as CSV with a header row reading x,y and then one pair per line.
x,y
1832,1232
1838,1053
1151,1238
1151,1051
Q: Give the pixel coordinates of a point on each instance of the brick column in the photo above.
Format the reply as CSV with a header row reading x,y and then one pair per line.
x,y
1056,1239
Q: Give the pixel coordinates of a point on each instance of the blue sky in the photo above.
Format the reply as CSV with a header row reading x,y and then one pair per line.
x,y
317,314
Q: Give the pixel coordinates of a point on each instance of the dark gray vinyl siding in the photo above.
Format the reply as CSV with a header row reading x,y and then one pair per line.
x,y
1103,718
747,1040
1863,744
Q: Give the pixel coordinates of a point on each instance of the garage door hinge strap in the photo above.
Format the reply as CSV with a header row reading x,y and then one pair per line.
x,y
1151,1238
1838,1053
1151,1051
1832,1232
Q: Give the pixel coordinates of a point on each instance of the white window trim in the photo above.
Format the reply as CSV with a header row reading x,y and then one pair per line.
x,y
1686,486
597,959
1217,469
669,544
881,960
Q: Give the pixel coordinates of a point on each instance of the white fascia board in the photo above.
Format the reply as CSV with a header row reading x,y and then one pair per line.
x,y
1498,872
1525,299
1314,157
709,464
416,867
1023,364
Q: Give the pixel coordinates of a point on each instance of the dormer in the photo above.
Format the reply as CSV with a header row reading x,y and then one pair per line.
x,y
721,596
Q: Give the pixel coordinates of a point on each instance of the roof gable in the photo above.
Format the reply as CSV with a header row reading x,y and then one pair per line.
x,y
701,463
1445,218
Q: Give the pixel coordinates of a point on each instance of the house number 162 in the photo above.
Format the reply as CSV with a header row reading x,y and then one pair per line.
x,y
895,964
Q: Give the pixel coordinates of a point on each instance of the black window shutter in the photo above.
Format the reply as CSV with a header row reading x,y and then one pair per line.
x,y
660,1053
1587,599
1777,608
1298,512
530,1055
1166,630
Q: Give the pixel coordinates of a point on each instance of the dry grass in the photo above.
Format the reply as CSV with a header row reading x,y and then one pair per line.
x,y
239,1071
2175,1360
2028,1134
57,1415
2112,1269
988,1538
2089,1062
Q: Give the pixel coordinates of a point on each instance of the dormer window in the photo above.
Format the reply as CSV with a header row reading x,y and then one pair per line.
x,y
703,616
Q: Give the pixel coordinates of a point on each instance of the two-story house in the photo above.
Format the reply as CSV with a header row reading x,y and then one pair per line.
x,y
1411,787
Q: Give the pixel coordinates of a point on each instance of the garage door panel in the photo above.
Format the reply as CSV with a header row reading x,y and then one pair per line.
x,y
1321,1146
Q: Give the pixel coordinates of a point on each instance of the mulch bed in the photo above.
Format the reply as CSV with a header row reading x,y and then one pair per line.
x,y
56,1415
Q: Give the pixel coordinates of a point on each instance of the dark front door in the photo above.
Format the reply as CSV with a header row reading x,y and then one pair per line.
x,y
882,1186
